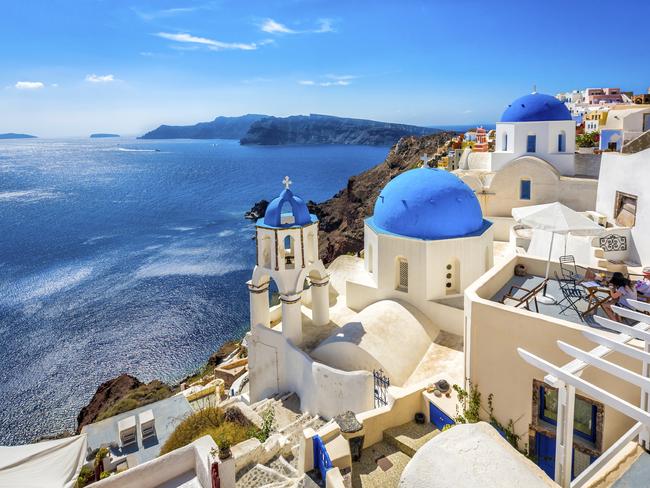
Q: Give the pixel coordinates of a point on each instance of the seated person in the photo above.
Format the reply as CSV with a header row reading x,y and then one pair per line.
x,y
643,286
621,290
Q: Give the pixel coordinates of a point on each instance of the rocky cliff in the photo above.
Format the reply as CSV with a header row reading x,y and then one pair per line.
x,y
219,128
326,129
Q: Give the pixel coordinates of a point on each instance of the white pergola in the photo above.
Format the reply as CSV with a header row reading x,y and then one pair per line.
x,y
567,379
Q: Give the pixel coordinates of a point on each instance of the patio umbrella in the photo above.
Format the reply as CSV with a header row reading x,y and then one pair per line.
x,y
556,219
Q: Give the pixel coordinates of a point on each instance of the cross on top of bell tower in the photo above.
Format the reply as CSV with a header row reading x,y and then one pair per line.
x,y
286,182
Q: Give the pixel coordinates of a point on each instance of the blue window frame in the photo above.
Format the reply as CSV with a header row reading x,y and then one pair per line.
x,y
561,143
584,417
525,189
531,143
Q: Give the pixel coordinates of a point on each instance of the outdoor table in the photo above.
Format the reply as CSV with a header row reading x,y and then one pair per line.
x,y
593,300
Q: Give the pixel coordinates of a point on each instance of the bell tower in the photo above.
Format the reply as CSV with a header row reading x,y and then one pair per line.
x,y
287,252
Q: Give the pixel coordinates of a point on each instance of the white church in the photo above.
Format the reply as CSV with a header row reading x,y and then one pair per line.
x,y
399,310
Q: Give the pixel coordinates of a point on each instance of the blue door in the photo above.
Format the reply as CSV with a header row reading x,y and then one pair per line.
x,y
545,449
438,417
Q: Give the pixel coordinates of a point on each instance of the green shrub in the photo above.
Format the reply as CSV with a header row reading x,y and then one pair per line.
x,y
86,476
143,395
209,421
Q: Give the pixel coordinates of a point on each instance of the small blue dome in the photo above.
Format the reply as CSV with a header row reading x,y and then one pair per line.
x,y
428,204
536,107
273,215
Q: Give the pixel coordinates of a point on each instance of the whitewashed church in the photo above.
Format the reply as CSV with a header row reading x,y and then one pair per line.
x,y
398,310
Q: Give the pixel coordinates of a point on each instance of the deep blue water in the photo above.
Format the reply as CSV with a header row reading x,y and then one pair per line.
x,y
122,259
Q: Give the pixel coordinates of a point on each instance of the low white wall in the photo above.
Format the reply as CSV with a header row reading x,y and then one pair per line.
x,y
501,227
193,457
323,390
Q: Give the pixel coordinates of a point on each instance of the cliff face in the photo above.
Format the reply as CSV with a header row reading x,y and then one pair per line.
x,y
326,129
119,395
219,128
341,217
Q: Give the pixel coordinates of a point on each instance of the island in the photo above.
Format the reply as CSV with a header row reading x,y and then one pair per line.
x,y
327,129
13,135
103,136
219,128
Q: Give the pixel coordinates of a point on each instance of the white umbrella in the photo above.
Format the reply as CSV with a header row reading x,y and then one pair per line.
x,y
556,219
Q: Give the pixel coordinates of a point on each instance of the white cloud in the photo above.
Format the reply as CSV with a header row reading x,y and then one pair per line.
x,y
100,78
211,44
274,27
331,80
29,85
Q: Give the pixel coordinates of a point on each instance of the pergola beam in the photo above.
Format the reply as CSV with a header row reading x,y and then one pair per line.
x,y
617,346
590,389
604,365
631,314
642,335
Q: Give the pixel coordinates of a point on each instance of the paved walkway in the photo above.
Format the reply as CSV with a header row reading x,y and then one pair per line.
x,y
381,466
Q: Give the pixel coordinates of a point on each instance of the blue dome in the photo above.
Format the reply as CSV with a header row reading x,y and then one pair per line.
x,y
273,215
536,107
428,204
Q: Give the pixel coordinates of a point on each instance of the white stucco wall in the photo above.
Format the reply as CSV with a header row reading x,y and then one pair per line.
x,y
386,335
628,173
546,148
277,366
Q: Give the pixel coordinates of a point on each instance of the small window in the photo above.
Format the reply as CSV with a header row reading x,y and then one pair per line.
x,y
524,190
505,141
402,274
531,143
561,142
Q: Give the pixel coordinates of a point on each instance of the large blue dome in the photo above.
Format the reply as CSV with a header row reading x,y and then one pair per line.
x,y
536,107
428,204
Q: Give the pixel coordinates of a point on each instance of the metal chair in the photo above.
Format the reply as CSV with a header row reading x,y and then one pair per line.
x,y
569,269
572,293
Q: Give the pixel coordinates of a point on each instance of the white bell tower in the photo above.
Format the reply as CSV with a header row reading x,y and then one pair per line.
x,y
287,252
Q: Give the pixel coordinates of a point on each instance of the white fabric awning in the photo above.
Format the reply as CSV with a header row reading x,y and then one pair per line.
x,y
557,218
44,464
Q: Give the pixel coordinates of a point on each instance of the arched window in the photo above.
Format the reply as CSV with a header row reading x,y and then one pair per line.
x,y
561,142
504,144
402,274
289,255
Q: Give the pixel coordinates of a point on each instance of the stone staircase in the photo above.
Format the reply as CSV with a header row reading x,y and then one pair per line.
x,y
281,471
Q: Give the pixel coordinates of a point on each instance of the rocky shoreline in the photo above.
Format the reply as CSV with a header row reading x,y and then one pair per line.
x,y
126,392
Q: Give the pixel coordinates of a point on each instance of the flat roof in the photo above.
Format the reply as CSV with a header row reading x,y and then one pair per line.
x,y
168,414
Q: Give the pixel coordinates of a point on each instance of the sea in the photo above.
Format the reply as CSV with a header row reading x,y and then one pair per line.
x,y
131,256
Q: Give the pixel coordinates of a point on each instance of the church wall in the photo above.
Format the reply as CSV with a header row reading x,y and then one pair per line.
x,y
546,144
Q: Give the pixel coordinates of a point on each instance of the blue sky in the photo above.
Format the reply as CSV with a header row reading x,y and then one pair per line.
x,y
69,68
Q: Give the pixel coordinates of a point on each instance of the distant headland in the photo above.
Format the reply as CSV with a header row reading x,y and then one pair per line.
x,y
219,128
13,135
103,136
255,129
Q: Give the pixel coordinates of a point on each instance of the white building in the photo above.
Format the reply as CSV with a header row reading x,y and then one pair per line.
x,y
394,311
537,125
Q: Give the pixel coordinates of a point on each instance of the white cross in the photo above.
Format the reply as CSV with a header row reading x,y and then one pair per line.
x,y
424,159
286,182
